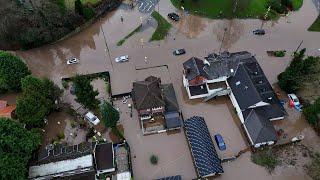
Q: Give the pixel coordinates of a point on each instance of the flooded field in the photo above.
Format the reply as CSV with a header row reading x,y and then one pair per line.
x,y
96,49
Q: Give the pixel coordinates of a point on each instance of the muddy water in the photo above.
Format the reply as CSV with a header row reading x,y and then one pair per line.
x,y
96,49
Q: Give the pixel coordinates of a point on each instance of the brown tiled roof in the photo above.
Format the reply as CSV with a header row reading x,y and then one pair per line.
x,y
147,94
7,111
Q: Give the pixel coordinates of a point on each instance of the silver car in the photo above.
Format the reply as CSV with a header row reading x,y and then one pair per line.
x,y
73,61
123,58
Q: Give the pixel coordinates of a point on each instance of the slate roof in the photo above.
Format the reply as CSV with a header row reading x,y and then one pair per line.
x,y
178,177
173,119
170,98
205,157
104,156
7,111
147,94
193,68
259,127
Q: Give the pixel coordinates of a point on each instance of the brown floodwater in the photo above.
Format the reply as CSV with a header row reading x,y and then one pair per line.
x,y
96,49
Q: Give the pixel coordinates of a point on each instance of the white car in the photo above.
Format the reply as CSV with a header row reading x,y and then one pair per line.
x,y
73,61
123,58
92,118
294,99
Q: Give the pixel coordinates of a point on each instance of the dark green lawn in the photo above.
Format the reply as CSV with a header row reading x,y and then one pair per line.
x,y
224,8
316,25
162,28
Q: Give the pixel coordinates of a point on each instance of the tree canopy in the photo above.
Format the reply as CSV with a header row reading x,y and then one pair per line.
x,y
84,92
16,147
110,116
12,70
37,100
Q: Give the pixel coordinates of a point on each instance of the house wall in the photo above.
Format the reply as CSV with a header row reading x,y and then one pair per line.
x,y
152,110
220,79
236,106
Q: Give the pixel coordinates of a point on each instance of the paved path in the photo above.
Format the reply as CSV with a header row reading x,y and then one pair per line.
x,y
147,6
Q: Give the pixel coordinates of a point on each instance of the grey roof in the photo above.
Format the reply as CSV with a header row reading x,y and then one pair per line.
x,y
198,90
243,88
104,156
173,119
62,152
177,177
193,68
170,98
147,94
204,154
259,127
222,65
250,86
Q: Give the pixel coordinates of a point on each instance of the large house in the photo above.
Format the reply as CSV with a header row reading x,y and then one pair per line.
x,y
157,105
240,76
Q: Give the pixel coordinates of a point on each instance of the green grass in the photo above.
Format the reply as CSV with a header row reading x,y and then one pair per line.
x,y
297,4
162,28
70,3
119,43
224,8
315,26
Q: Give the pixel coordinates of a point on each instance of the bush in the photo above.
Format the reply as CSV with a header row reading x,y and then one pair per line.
x,y
65,84
312,113
61,135
265,158
153,159
12,70
88,13
281,53
314,167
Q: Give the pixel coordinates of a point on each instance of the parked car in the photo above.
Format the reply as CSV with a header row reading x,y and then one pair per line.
x,y
259,32
220,142
294,100
123,58
73,61
92,118
178,52
174,16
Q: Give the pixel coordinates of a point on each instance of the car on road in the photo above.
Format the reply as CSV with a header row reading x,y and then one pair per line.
x,y
73,61
174,16
92,118
123,58
178,52
259,32
220,142
294,100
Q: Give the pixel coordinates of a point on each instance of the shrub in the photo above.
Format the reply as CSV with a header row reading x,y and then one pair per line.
x,y
154,159
61,135
110,116
88,13
312,113
276,6
314,167
280,53
265,158
65,84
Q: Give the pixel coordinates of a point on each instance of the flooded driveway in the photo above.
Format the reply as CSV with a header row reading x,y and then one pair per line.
x,y
96,49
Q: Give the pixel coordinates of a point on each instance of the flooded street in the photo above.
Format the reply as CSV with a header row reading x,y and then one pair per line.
x,y
96,49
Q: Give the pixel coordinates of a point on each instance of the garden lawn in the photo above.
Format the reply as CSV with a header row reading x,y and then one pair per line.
x,y
224,8
316,25
162,28
119,43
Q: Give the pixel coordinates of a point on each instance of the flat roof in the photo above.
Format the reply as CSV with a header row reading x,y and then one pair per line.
x,y
104,156
61,166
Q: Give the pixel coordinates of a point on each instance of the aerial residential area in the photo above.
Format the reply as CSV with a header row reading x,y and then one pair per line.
x,y
160,89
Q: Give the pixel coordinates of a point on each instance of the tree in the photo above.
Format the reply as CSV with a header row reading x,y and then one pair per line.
x,y
16,147
85,93
12,70
110,116
37,100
